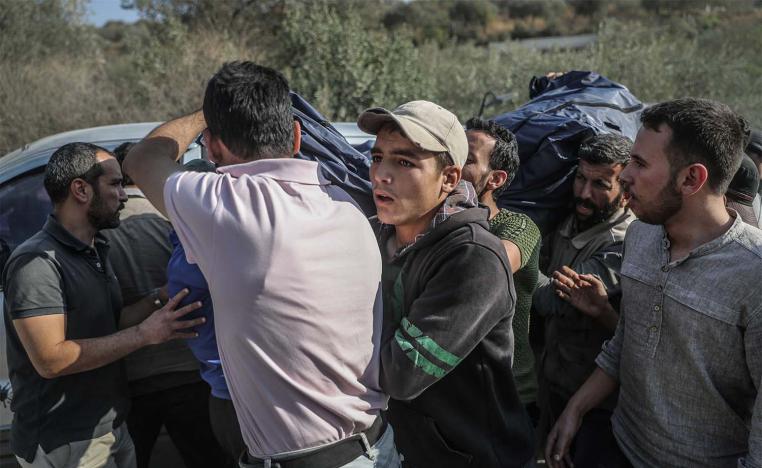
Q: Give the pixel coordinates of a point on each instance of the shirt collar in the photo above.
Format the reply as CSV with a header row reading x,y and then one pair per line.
x,y
725,238
463,197
59,233
579,240
283,169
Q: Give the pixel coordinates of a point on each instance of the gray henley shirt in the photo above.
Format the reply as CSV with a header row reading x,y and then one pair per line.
x,y
688,351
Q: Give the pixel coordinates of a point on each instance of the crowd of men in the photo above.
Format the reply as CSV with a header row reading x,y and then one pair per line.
x,y
442,332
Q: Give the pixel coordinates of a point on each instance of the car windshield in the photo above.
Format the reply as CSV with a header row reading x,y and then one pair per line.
x,y
23,210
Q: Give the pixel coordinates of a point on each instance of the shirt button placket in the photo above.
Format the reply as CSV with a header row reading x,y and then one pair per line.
x,y
657,313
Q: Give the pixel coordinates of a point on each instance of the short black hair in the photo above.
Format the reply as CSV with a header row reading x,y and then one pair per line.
x,y
248,107
120,152
71,161
703,131
505,155
606,148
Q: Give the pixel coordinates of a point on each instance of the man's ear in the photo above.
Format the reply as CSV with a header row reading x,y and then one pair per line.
x,y
297,136
80,190
451,175
496,180
217,151
692,178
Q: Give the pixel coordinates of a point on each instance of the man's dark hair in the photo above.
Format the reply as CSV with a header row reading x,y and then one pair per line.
x,y
608,148
505,155
248,107
703,131
120,152
69,162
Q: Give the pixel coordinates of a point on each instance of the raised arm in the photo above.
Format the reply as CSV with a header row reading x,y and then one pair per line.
x,y
152,161
587,294
604,264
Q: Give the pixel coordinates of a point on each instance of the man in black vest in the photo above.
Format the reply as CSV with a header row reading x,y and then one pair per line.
x,y
62,308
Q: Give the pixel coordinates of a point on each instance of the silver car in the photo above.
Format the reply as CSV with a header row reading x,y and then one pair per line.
x,y
24,206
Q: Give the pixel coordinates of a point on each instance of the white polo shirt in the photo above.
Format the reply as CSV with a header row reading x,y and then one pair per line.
x,y
294,272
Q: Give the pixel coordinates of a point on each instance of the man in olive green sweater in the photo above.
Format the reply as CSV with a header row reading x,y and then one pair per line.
x,y
493,160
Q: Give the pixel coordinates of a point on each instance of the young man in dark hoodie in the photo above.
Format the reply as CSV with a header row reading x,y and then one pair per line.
x,y
447,344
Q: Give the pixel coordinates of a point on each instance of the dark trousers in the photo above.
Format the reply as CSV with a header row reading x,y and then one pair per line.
x,y
594,446
183,411
225,427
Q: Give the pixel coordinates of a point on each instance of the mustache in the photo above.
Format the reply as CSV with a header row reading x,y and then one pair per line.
x,y
586,203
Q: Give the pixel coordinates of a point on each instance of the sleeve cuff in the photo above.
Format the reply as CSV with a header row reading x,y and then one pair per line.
x,y
21,314
607,363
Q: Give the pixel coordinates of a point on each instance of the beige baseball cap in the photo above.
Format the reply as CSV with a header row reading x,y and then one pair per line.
x,y
429,126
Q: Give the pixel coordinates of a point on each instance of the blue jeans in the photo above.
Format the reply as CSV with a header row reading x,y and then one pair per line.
x,y
382,454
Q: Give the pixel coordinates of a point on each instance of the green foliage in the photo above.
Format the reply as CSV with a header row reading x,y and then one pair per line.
x,y
30,30
342,74
57,73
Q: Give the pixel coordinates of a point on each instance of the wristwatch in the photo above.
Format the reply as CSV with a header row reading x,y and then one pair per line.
x,y
156,298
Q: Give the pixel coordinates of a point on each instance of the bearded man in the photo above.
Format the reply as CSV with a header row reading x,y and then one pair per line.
x,y
62,308
589,241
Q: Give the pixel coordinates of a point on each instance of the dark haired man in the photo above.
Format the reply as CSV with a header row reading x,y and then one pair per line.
x,y
62,308
493,160
590,242
165,387
293,272
447,342
685,354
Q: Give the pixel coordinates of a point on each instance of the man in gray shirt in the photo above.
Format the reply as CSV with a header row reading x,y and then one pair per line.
x,y
589,240
61,310
686,352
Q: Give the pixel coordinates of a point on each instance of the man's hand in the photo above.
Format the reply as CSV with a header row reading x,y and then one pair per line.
x,y
560,439
585,292
164,324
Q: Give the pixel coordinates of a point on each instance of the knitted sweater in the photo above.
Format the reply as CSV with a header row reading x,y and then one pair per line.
x,y
522,231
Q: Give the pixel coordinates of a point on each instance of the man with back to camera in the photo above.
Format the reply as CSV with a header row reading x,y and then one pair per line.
x,y
493,161
62,307
589,241
685,354
447,342
293,269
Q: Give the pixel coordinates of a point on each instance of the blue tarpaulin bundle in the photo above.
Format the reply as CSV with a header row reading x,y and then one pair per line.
x,y
339,162
549,128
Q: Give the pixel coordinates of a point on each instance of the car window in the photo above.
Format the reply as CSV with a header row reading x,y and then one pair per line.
x,y
24,206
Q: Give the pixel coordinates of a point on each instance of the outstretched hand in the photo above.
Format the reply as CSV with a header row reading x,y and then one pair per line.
x,y
164,324
584,292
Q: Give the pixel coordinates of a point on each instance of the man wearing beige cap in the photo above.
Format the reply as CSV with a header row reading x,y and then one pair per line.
x,y
447,344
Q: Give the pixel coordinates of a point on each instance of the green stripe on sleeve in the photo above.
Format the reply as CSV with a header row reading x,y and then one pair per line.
x,y
429,344
418,360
